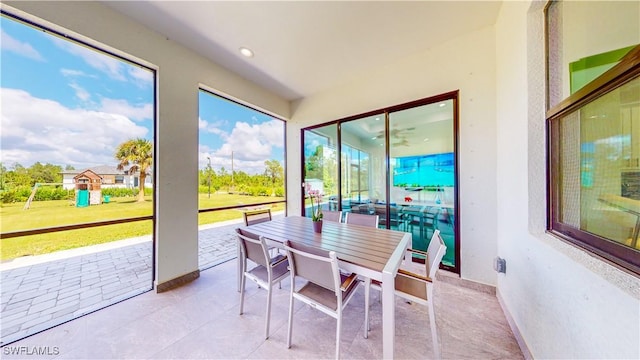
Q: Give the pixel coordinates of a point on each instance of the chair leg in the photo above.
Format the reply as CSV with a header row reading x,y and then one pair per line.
x,y
338,333
266,327
367,287
242,285
239,258
290,327
434,333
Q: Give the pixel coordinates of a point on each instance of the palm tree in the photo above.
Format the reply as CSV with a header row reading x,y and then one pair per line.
x,y
139,154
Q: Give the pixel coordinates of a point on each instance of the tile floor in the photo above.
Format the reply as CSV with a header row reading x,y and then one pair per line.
x,y
200,321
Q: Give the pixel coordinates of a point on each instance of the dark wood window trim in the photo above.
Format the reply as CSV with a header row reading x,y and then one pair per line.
x,y
451,95
622,257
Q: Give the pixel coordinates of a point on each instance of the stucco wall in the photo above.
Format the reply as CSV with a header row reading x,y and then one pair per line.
x,y
565,303
180,73
466,63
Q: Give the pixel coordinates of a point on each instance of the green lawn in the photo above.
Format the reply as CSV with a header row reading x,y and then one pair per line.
x,y
43,214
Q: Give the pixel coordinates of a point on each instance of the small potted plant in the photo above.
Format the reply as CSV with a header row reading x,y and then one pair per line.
x,y
316,209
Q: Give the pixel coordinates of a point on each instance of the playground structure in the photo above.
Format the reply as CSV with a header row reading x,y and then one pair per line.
x,y
88,188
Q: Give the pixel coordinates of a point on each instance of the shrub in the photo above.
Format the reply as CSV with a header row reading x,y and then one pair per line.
x,y
8,196
258,191
119,192
46,193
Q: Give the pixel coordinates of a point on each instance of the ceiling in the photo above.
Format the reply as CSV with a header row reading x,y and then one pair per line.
x,y
305,47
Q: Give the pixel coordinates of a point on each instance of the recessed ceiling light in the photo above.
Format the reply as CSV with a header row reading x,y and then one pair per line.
x,y
373,138
377,119
246,52
442,104
425,139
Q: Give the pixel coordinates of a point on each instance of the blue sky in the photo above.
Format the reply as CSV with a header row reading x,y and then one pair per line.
x,y
66,104
227,127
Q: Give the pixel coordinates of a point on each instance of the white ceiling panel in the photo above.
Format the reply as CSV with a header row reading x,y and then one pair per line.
x,y
304,47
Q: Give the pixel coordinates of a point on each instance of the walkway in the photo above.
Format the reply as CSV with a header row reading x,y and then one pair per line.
x,y
39,292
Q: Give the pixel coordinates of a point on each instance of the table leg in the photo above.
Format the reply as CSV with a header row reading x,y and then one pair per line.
x,y
388,315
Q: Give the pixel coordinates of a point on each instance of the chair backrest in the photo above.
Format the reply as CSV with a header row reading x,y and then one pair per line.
x,y
315,265
253,247
332,215
257,216
361,219
431,215
381,211
435,253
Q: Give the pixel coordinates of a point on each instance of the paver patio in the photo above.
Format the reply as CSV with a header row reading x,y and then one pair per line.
x,y
39,292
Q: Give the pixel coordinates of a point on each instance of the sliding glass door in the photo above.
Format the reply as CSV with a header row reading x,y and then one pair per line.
x,y
422,167
398,163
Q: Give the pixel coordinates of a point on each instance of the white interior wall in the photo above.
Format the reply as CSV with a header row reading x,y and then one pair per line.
x,y
180,73
466,63
564,302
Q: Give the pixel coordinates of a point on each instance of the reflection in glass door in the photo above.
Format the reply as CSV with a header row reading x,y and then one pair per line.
x,y
321,166
363,166
399,163
422,172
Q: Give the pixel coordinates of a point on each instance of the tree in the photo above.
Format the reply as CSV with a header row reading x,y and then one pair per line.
x,y
139,154
19,176
3,171
273,170
46,174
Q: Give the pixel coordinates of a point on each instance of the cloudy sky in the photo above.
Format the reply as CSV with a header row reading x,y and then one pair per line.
x,y
66,104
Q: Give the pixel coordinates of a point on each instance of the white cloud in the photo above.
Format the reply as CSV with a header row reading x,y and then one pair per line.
x,y
43,130
142,77
81,93
111,66
251,146
119,106
202,124
213,128
75,73
21,48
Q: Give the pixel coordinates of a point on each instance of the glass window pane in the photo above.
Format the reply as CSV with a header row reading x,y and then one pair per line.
x,y
586,38
422,161
600,155
321,165
363,164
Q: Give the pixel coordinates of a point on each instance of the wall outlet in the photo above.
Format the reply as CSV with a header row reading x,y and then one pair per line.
x,y
500,265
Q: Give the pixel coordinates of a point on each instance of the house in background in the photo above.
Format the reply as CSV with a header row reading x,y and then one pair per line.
x,y
111,177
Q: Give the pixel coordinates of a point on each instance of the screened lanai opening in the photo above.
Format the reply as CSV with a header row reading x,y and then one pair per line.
x,y
241,158
77,177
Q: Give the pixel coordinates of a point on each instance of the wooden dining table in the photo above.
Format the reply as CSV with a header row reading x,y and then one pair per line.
x,y
367,251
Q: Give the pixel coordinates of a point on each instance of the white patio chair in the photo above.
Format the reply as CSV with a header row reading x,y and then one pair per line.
x,y
326,289
415,287
267,272
332,215
361,219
